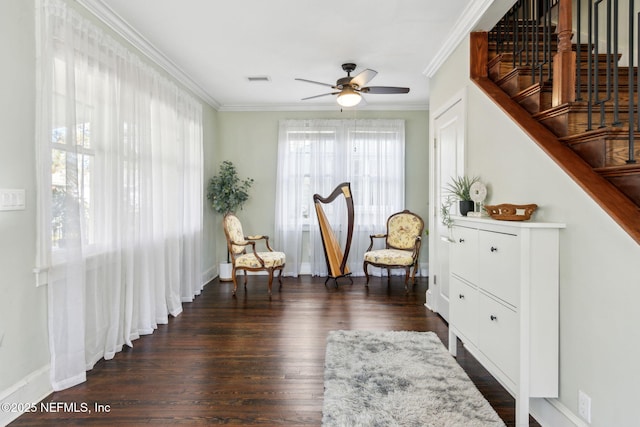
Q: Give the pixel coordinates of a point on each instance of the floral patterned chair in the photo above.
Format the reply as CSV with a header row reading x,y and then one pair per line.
x,y
402,246
250,260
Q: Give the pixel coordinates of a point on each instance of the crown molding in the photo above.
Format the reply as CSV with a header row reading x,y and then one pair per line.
x,y
112,20
327,107
461,29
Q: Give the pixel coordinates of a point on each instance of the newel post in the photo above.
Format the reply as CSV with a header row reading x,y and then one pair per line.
x,y
564,61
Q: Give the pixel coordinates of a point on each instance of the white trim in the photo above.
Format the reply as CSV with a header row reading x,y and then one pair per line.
x,y
461,29
209,274
553,413
434,300
424,269
328,107
30,390
112,20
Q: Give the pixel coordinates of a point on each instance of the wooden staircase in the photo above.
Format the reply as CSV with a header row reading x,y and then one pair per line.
x,y
594,152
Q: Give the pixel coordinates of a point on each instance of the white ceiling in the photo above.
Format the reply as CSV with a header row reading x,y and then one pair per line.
x,y
219,45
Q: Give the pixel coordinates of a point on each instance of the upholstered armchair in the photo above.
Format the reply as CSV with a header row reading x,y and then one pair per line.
x,y
242,250
402,246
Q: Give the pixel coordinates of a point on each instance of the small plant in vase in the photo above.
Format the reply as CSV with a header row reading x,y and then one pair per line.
x,y
227,193
460,187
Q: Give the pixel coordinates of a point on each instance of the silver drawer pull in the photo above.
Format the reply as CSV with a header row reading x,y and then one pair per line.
x,y
494,249
461,240
461,296
494,318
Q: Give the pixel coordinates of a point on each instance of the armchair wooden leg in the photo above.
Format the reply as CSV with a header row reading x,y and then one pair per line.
x,y
406,280
280,277
413,275
235,283
366,273
270,280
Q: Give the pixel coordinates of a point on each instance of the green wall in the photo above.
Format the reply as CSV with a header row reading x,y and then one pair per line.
x,y
23,307
250,140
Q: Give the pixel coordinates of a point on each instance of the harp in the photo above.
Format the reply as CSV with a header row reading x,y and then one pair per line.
x,y
335,256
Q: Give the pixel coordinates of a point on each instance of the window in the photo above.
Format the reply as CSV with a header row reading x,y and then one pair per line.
x,y
120,191
84,158
315,156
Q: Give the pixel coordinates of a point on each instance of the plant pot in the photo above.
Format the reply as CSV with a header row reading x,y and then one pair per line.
x,y
466,206
225,272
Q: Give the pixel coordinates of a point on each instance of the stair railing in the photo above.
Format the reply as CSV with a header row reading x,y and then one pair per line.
x,y
519,31
633,60
531,21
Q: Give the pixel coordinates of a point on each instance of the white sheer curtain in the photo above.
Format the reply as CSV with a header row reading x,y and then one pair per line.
x,y
377,174
314,156
308,162
120,192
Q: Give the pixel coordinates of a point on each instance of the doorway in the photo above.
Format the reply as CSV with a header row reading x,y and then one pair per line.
x,y
447,144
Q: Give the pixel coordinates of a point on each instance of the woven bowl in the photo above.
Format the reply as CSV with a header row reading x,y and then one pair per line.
x,y
508,212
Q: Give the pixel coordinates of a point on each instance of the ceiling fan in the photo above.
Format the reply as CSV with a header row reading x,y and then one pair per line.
x,y
349,89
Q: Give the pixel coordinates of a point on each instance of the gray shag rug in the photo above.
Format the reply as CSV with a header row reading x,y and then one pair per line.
x,y
398,378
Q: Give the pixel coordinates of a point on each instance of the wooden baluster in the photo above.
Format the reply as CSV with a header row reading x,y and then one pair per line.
x,y
564,61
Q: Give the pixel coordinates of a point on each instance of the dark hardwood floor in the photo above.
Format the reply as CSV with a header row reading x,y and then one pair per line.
x,y
250,359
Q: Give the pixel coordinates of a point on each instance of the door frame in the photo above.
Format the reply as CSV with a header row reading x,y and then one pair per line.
x,y
435,301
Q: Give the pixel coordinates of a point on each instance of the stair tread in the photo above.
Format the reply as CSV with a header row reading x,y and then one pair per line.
x,y
632,168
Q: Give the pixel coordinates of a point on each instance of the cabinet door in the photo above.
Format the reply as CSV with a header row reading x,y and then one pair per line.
x,y
464,253
499,265
463,308
498,335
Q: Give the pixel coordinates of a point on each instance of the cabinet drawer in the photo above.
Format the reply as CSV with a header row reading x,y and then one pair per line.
x,y
463,309
499,263
464,253
498,335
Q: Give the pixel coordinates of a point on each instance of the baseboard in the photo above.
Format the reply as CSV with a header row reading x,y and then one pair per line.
x,y
424,269
429,300
29,391
209,274
553,413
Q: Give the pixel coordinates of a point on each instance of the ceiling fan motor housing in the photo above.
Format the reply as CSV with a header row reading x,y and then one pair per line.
x,y
343,82
348,67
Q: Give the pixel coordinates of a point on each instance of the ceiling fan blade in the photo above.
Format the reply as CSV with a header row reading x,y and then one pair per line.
x,y
318,96
384,89
317,83
363,77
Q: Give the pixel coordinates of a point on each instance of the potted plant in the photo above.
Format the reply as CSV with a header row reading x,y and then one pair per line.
x,y
227,193
460,187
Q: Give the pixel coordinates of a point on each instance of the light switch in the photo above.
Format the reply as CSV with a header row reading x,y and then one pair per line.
x,y
12,200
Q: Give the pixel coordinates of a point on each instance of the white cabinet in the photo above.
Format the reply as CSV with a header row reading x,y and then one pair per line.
x,y
464,309
504,303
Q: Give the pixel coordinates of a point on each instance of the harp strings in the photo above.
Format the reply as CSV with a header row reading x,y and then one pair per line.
x,y
336,257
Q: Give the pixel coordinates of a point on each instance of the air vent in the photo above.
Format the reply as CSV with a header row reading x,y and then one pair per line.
x,y
259,79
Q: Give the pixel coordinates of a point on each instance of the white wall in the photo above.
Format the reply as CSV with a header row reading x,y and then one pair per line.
x,y
599,280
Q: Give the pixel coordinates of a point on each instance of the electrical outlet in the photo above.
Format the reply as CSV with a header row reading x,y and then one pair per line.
x,y
584,406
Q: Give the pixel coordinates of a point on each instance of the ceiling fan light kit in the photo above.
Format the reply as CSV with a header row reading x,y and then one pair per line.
x,y
349,97
350,88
